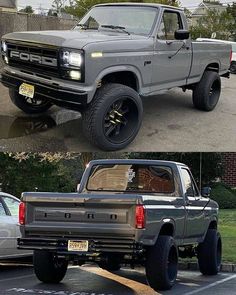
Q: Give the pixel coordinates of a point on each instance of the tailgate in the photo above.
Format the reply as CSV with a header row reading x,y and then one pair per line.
x,y
78,215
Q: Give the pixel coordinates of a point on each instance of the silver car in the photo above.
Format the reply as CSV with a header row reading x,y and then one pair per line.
x,y
9,227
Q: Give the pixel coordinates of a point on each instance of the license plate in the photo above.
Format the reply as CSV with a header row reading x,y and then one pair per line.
x,y
26,90
81,246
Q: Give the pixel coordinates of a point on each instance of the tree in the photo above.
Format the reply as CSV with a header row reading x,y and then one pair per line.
x,y
220,22
231,9
28,9
80,7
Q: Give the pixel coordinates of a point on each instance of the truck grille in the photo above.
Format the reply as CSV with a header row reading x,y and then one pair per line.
x,y
32,57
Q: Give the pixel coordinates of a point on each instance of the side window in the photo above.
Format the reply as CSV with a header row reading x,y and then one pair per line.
x,y
189,185
2,210
12,205
171,21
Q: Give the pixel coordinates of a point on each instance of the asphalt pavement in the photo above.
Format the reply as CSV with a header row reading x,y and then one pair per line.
x,y
91,280
170,124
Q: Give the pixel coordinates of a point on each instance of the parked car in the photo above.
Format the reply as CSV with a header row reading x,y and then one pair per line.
x,y
126,211
233,44
9,229
117,54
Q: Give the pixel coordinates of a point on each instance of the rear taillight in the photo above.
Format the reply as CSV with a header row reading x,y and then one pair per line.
x,y
140,216
22,213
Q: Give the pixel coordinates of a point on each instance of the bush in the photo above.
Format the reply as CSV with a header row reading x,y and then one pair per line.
x,y
224,196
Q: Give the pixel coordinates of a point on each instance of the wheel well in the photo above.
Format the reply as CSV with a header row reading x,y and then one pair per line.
x,y
213,224
213,67
167,230
124,77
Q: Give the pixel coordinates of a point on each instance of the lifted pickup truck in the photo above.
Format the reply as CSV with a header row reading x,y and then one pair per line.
x,y
116,54
125,212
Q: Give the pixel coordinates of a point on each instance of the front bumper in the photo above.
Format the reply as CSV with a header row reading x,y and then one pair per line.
x,y
58,92
96,245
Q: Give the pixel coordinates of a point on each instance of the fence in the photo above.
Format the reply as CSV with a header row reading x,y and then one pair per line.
x,y
15,22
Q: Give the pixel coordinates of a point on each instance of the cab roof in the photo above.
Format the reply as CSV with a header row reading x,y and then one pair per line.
x,y
155,5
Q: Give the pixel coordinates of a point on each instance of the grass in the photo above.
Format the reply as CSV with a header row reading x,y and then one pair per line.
x,y
227,228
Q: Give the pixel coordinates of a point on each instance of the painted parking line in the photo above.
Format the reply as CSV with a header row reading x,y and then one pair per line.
x,y
211,285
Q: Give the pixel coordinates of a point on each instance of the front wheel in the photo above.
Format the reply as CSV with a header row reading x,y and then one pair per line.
x,y
113,119
28,105
233,67
162,263
209,253
48,267
206,93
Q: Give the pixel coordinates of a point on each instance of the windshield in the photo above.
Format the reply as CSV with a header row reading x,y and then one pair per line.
x,y
135,20
131,178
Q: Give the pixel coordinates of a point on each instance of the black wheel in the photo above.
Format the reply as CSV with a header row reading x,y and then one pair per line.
x,y
48,267
209,253
206,93
233,67
162,264
113,118
29,105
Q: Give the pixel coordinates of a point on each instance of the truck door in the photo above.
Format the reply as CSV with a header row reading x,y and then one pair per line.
x,y
172,58
195,219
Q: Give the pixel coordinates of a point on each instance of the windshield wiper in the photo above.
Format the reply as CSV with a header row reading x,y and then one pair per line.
x,y
115,28
85,27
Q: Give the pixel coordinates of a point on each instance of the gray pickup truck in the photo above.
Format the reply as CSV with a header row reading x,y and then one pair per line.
x,y
133,212
116,54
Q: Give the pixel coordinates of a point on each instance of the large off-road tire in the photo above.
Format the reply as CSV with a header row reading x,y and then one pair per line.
x,y
233,67
162,263
48,267
209,253
206,93
113,118
28,105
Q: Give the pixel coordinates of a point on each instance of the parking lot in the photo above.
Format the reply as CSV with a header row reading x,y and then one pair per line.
x,y
91,280
170,124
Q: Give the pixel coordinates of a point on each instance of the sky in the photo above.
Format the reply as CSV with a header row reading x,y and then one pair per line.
x,y
47,3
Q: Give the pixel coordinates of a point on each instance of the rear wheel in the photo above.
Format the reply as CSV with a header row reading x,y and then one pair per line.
x,y
209,253
233,67
162,263
29,105
48,267
206,93
113,119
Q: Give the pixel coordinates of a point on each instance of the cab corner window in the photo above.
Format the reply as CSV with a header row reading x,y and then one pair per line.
x,y
188,184
171,21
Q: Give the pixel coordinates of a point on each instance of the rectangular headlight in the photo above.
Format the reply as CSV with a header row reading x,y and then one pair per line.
x,y
71,58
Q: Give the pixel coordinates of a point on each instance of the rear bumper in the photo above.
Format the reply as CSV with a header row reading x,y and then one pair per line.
x,y
100,245
58,92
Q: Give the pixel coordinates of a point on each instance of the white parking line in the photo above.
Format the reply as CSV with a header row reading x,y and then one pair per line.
x,y
16,278
211,285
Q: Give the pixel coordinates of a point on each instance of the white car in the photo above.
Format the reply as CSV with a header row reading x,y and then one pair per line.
x,y
9,227
233,61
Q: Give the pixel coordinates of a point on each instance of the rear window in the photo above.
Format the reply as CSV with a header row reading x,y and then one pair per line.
x,y
131,178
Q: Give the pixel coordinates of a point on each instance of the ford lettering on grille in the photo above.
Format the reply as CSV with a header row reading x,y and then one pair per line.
x,y
48,61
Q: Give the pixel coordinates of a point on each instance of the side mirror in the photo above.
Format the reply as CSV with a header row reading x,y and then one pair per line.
x,y
206,191
182,34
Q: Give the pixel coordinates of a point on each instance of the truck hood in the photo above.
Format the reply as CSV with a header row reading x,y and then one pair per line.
x,y
71,39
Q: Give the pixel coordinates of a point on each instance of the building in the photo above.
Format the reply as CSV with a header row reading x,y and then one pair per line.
x,y
202,9
229,166
8,5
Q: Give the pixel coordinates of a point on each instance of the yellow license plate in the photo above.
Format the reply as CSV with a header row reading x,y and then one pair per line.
x,y
81,246
26,90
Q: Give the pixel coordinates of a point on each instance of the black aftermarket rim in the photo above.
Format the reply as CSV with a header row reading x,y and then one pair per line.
x,y
120,120
214,92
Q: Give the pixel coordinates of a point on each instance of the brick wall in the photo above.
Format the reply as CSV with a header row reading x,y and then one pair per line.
x,y
229,164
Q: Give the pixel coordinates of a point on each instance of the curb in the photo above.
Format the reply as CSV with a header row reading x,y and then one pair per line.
x,y
225,267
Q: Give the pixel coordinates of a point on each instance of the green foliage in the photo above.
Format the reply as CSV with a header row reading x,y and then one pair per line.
x,y
211,163
33,173
224,196
27,9
220,22
80,7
